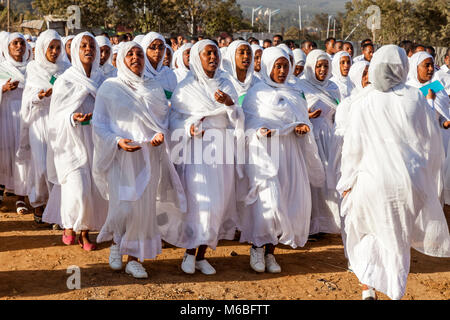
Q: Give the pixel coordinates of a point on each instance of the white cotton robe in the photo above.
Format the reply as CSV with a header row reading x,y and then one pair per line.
x,y
130,181
71,147
40,75
323,95
390,161
207,175
14,174
280,168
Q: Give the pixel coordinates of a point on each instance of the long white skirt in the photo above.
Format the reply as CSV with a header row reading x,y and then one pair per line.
x,y
133,224
325,210
282,211
82,206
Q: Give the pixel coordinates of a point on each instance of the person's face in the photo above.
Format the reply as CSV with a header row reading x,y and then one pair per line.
x,y
365,77
330,47
228,40
258,55
167,58
186,56
200,38
68,46
321,70
222,43
193,41
210,60
425,70
298,70
276,41
368,53
155,52
308,48
180,40
114,60
267,44
115,40
17,49
243,57
280,70
447,61
349,48
345,65
105,53
135,60
87,50
185,41
339,46
53,51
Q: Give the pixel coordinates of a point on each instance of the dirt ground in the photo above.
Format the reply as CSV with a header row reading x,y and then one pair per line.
x,y
34,262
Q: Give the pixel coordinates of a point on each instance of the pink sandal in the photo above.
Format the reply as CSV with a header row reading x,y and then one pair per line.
x,y
87,246
68,240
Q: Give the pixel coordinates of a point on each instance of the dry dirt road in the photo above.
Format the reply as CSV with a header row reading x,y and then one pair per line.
x,y
34,262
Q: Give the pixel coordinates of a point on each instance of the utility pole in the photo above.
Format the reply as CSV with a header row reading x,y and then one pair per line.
x,y
253,13
7,5
272,13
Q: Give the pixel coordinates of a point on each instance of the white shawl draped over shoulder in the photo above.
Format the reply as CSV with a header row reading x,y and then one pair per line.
x,y
390,160
69,92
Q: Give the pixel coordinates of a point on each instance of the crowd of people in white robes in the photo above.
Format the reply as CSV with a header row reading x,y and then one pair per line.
x,y
146,141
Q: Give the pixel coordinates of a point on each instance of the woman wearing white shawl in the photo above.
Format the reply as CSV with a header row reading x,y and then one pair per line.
x,y
358,75
168,57
279,196
155,48
421,73
299,62
181,62
390,161
322,94
206,101
342,62
239,66
14,174
41,74
257,54
67,42
129,176
109,71
71,147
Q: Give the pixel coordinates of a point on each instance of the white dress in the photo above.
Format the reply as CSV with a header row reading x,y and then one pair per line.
x,y
279,168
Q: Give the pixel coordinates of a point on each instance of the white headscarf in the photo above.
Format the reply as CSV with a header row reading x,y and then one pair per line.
x,y
356,73
177,61
77,72
108,69
42,43
209,84
229,65
138,39
389,67
344,83
256,47
310,68
145,43
299,57
269,56
16,70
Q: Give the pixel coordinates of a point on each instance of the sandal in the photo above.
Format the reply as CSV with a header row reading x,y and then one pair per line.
x,y
68,240
23,210
86,246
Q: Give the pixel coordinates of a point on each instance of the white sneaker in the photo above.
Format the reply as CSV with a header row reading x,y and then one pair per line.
x,y
205,267
188,264
115,258
257,259
271,264
369,294
136,270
